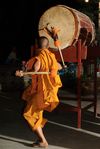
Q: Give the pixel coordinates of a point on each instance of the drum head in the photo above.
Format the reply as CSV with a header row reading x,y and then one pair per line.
x,y
61,18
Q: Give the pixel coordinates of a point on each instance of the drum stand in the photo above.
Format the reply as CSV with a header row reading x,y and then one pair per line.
x,y
93,100
79,97
77,55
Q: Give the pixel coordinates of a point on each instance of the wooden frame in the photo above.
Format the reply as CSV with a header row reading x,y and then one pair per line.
x,y
77,54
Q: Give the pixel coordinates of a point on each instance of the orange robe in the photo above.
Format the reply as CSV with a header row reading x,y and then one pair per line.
x,y
42,93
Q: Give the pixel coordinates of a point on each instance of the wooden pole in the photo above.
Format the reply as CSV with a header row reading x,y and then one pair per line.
x,y
35,73
95,88
79,83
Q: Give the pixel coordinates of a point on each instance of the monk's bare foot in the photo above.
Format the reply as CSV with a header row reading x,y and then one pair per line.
x,y
43,144
40,144
36,143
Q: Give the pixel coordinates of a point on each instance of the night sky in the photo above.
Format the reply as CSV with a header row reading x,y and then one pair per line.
x,y
19,21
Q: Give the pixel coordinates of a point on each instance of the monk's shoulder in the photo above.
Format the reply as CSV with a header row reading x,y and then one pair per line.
x,y
31,60
52,54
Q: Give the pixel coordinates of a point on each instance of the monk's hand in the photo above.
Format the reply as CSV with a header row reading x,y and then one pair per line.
x,y
19,73
65,67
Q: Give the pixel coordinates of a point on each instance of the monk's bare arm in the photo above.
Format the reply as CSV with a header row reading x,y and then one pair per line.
x,y
59,66
36,66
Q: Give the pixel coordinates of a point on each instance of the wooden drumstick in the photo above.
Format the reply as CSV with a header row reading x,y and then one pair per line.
x,y
62,58
21,73
35,73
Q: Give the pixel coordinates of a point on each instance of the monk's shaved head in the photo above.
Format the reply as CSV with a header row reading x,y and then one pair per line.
x,y
43,42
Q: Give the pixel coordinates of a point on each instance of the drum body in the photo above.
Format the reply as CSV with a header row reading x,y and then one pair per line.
x,y
73,25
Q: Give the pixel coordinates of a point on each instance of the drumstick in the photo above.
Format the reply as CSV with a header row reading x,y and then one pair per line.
x,y
62,58
61,72
34,73
54,34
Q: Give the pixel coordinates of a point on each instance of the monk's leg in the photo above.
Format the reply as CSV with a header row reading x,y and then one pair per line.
x,y
43,141
36,122
38,130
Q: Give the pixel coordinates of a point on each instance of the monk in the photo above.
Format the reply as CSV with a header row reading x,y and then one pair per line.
x,y
42,93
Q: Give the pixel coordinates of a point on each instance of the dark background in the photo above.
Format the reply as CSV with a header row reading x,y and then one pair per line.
x,y
19,21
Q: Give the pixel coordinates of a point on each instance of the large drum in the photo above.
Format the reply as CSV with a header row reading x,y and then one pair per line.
x,y
73,25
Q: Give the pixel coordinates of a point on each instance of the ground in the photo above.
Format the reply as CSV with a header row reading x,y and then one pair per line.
x,y
15,133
